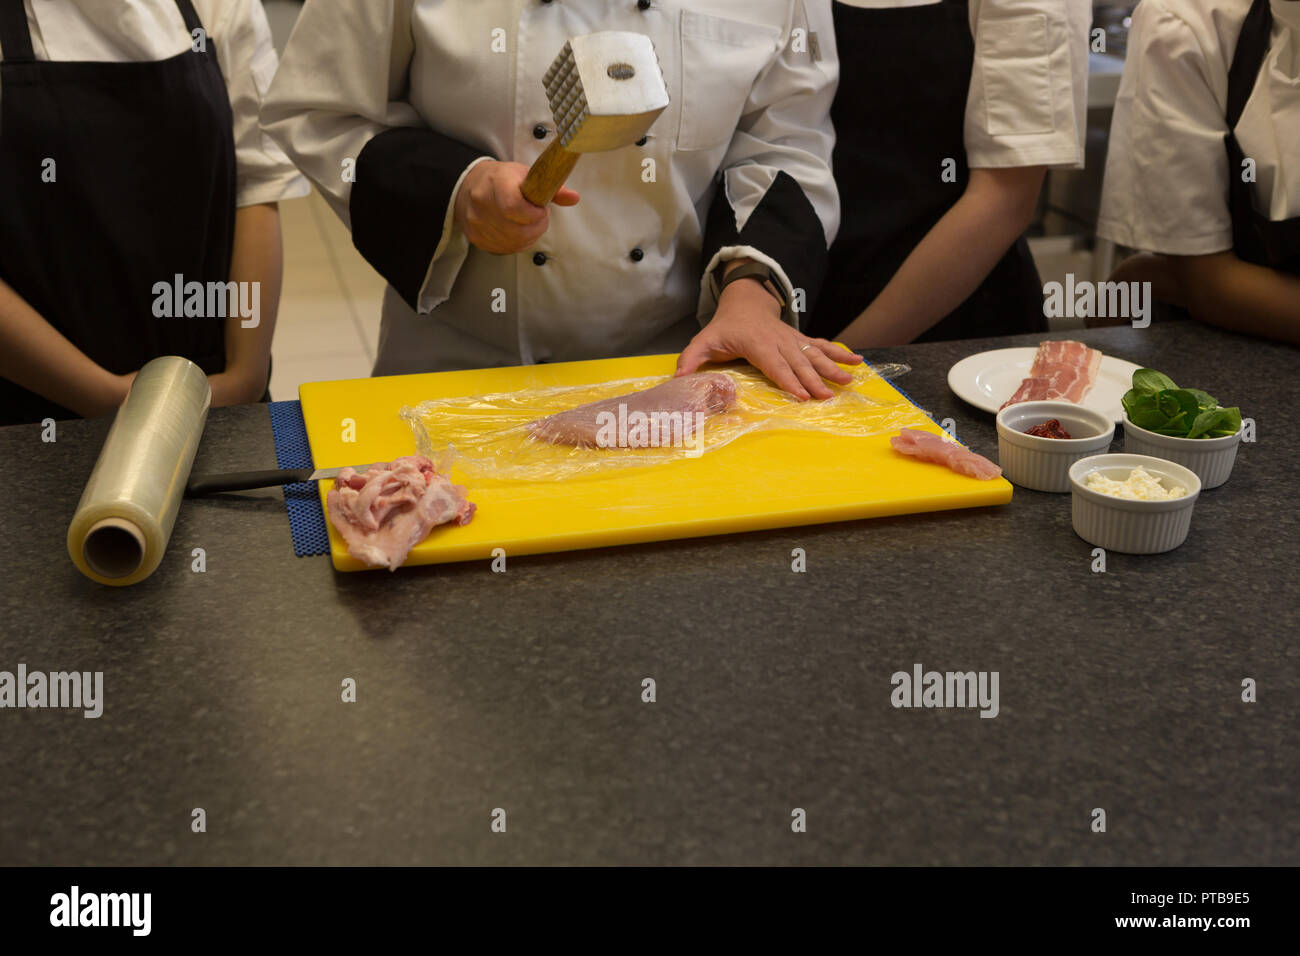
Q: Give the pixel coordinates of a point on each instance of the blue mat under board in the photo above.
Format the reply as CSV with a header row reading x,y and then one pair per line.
x,y
301,499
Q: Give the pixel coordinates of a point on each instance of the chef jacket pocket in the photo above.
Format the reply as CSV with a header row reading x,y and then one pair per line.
x,y
720,60
1015,59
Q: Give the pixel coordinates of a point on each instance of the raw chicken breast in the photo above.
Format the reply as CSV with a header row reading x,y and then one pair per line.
x,y
707,392
930,447
385,512
1062,371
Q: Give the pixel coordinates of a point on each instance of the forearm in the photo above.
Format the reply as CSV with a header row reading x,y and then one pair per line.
x,y
1223,290
257,260
35,355
952,260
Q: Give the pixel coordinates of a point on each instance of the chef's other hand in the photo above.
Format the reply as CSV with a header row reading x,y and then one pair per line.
x,y
747,325
494,215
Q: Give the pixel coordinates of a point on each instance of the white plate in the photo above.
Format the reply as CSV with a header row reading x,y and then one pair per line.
x,y
988,379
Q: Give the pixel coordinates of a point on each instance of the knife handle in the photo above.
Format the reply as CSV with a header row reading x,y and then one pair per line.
x,y
244,480
548,173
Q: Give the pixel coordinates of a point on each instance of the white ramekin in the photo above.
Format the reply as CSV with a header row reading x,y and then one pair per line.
x,y
1043,464
1133,527
1210,458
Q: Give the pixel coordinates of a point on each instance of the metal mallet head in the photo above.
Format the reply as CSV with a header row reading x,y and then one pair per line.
x,y
605,91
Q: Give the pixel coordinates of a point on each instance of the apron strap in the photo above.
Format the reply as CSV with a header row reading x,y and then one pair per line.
x,y
191,18
1252,48
15,35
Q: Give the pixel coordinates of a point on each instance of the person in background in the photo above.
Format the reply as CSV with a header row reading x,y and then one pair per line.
x,y
417,122
948,114
130,155
1203,170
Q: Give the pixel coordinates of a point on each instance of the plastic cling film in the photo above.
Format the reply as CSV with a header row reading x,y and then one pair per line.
x,y
490,438
121,527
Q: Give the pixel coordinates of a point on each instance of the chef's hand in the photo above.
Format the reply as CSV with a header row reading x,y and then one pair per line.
x,y
494,215
747,325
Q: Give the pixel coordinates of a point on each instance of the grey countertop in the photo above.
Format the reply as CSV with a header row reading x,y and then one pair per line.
x,y
522,690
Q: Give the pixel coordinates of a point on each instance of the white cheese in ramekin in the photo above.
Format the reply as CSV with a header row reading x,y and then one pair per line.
x,y
1140,485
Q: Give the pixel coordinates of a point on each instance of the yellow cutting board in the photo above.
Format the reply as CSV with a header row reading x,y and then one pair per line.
x,y
767,479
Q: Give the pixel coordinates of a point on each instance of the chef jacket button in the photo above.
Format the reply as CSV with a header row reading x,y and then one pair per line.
x,y
641,141
539,258
643,4
637,255
539,131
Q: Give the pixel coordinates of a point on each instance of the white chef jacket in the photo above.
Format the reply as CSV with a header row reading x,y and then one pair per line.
x,y
123,31
627,270
1166,186
1028,98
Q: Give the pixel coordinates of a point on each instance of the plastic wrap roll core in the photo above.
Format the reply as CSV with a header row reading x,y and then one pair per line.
x,y
125,518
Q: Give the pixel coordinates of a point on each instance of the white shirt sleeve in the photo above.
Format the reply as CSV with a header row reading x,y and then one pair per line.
x,y
341,82
344,79
242,39
1027,104
1166,184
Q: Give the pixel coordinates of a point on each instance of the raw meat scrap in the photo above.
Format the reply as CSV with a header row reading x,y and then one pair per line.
x,y
930,447
707,392
1062,371
385,512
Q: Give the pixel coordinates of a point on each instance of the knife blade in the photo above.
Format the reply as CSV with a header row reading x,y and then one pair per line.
x,y
200,485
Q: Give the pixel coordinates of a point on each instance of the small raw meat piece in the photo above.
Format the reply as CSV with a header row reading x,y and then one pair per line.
x,y
390,508
1062,371
707,392
930,447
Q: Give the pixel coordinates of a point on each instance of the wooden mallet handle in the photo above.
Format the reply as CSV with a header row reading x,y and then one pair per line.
x,y
548,173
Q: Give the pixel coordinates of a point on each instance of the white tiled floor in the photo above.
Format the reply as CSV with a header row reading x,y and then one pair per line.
x,y
329,309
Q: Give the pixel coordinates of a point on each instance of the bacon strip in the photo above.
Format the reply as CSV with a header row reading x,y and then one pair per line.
x,y
1062,371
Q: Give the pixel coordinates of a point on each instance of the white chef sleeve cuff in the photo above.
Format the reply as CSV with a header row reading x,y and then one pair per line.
x,y
783,231
449,256
708,303
277,189
1144,240
402,206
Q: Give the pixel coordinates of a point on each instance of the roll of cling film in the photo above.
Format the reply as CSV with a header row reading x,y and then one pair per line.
x,y
120,530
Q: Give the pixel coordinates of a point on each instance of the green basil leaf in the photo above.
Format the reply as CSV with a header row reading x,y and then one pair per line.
x,y
1148,416
1234,420
1148,380
1181,406
1207,420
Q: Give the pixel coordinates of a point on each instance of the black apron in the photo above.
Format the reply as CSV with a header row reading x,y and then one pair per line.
x,y
1255,237
144,191
899,113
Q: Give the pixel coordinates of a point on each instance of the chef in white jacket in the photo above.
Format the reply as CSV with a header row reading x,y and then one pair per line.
x,y
417,122
1203,168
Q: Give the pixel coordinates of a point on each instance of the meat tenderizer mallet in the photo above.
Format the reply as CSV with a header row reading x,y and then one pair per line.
x,y
605,91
